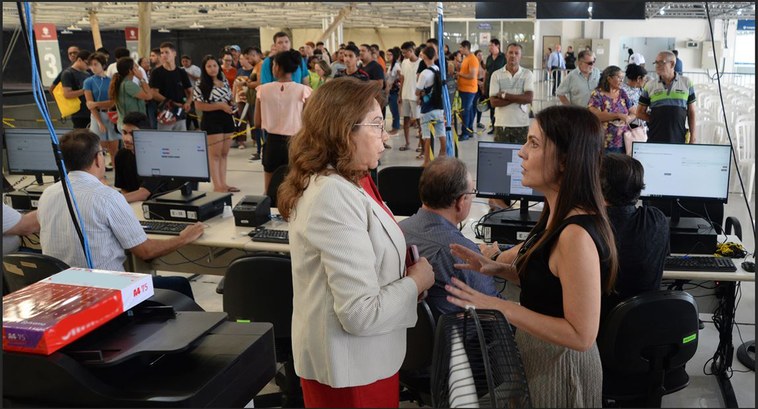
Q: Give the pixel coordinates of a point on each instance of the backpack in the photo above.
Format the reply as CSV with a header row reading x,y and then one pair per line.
x,y
432,98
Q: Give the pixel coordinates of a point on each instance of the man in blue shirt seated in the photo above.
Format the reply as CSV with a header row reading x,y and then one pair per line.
x,y
447,191
641,233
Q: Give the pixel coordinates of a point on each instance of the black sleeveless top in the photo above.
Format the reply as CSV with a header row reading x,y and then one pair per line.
x,y
541,291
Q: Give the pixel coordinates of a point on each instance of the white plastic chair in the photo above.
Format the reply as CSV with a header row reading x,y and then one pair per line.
x,y
711,132
745,148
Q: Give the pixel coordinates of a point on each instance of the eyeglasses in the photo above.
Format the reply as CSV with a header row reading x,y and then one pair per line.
x,y
659,62
227,60
376,125
474,192
73,53
589,62
103,151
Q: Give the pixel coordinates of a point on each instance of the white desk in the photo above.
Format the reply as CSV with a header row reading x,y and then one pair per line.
x,y
220,244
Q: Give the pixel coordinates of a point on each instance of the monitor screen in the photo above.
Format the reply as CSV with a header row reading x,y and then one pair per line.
x,y
684,171
30,151
173,154
498,173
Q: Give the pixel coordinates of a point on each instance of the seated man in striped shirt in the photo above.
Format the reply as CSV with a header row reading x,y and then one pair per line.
x,y
109,221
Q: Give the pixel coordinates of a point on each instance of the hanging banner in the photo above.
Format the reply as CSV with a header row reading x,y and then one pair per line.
x,y
132,41
48,52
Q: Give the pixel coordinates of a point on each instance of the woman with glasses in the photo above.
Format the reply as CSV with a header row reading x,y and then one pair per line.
x,y
213,97
567,261
227,66
96,93
613,107
353,297
278,109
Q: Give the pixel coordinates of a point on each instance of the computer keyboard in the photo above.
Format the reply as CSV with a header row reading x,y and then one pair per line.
x,y
270,235
699,263
163,227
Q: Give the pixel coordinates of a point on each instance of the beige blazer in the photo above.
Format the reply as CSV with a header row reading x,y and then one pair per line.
x,y
351,304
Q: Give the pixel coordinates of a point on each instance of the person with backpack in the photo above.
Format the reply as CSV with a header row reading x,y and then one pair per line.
x,y
429,97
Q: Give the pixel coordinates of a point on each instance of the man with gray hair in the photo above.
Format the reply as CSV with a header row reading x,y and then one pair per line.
x,y
579,83
671,100
447,191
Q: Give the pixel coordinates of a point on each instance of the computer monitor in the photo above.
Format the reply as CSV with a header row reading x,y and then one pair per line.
x,y
684,172
498,175
30,152
177,155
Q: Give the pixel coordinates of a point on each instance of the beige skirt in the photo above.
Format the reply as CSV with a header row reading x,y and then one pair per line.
x,y
560,377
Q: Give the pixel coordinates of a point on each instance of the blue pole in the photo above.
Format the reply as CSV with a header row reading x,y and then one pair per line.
x,y
443,74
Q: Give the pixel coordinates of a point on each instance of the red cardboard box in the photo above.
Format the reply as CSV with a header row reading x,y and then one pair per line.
x,y
54,312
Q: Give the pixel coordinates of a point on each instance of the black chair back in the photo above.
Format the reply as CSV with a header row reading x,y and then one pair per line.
x,y
276,179
415,372
23,269
644,344
398,186
420,340
259,288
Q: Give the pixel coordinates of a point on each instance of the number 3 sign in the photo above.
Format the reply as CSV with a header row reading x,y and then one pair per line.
x,y
48,52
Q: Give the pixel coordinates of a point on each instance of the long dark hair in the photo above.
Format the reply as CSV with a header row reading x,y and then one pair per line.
x,y
395,51
124,67
577,138
206,82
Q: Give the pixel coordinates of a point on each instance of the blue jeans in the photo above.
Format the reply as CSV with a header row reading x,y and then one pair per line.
x,y
392,101
467,106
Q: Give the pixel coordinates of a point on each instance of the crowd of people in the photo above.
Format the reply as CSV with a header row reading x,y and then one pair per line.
x,y
323,116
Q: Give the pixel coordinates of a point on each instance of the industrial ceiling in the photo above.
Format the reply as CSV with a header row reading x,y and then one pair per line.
x,y
219,15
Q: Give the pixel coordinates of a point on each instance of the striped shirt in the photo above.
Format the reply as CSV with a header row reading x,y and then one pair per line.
x,y
218,94
668,108
109,222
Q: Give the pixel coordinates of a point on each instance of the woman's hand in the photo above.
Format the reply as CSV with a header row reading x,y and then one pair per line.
x,y
101,126
422,274
226,108
464,296
91,104
489,250
474,261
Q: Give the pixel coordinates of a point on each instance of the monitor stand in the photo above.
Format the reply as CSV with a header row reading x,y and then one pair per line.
x,y
523,216
184,195
40,186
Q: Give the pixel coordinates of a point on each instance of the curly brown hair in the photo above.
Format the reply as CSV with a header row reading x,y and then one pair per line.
x,y
323,145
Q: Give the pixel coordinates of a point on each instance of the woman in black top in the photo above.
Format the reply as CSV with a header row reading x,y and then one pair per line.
x,y
567,261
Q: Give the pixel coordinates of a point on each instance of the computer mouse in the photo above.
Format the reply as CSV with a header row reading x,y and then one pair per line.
x,y
748,266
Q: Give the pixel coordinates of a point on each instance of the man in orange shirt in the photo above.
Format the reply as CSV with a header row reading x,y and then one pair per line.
x,y
467,88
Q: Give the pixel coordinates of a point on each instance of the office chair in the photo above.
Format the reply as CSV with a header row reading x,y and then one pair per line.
x,y
415,373
23,269
276,179
644,345
398,186
259,288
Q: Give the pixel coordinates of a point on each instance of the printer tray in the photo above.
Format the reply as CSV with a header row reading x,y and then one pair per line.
x,y
128,337
226,368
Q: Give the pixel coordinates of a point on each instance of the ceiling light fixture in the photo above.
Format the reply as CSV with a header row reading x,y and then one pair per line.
x,y
198,26
739,12
164,30
663,11
67,31
73,27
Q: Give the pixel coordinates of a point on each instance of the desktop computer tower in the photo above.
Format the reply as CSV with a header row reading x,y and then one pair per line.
x,y
509,227
21,200
201,209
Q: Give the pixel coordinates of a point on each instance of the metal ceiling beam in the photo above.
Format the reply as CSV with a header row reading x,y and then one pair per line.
x,y
341,16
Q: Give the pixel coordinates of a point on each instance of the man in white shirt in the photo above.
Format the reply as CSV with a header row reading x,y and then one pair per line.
x,y
409,110
636,58
16,225
511,91
109,221
119,53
